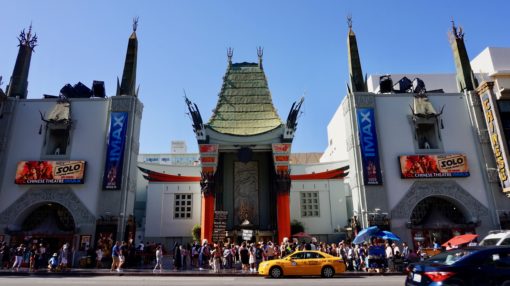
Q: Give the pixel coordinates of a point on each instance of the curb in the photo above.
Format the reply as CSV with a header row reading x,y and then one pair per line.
x,y
87,273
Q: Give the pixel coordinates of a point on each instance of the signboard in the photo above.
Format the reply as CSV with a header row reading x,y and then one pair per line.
x,y
112,178
247,234
209,157
281,156
50,172
369,146
496,137
219,225
434,166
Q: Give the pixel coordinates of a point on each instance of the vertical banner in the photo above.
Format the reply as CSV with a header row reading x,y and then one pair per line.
x,y
112,178
496,137
368,143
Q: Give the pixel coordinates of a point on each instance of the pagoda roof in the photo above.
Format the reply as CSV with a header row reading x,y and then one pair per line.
x,y
245,106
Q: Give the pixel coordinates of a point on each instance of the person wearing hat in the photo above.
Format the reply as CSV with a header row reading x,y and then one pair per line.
x,y
53,262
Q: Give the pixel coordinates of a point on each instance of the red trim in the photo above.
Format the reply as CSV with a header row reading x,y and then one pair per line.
x,y
283,211
207,218
152,176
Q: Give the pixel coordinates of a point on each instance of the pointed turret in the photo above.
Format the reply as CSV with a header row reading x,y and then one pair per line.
x,y
128,84
18,84
465,78
355,73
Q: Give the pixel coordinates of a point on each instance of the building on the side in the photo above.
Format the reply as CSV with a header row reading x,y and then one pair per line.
x,y
418,148
68,162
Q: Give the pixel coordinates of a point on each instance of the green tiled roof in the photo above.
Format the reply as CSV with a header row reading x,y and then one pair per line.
x,y
244,105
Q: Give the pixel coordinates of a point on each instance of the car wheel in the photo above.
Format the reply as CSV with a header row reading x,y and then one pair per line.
x,y
275,272
328,272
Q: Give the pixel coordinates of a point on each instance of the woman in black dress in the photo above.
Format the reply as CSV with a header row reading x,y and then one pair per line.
x,y
177,256
245,256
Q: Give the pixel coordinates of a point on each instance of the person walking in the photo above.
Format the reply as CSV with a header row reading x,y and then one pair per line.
x,y
19,252
216,256
99,258
115,257
159,259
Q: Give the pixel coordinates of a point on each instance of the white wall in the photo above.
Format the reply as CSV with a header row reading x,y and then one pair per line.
x,y
332,205
337,148
160,220
396,138
88,142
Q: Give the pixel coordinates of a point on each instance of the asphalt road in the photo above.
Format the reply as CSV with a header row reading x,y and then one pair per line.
x,y
192,281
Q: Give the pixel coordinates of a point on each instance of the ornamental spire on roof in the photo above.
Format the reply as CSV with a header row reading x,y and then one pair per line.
x,y
465,78
128,84
18,85
355,73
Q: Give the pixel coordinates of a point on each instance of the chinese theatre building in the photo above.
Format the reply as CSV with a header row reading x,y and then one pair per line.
x,y
244,154
420,152
68,162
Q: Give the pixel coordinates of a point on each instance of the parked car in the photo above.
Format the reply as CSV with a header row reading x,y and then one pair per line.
x,y
303,263
496,237
477,265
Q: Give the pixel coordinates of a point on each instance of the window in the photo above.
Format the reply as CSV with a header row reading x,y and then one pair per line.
x,y
57,141
310,204
426,134
183,206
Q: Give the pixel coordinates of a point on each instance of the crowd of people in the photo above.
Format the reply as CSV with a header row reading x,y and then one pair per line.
x,y
376,255
34,256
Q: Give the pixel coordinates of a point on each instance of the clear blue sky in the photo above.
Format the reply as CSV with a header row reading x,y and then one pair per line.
x,y
182,45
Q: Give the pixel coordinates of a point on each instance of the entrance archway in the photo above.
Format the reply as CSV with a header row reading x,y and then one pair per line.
x,y
49,223
437,219
475,214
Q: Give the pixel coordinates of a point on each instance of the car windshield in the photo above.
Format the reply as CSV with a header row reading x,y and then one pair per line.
x,y
489,241
449,257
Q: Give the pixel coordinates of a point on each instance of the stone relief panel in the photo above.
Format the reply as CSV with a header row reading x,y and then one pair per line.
x,y
450,189
246,192
65,197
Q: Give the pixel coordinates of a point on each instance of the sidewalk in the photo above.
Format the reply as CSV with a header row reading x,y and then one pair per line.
x,y
86,272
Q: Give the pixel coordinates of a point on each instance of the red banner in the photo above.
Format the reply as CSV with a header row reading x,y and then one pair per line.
x,y
281,148
434,166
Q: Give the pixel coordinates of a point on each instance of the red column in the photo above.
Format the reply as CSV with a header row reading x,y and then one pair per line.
x,y
207,219
283,214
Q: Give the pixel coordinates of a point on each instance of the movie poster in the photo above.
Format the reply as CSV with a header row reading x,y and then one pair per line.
x,y
50,172
434,166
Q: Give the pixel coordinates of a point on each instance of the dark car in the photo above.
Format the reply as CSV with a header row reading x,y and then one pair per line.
x,y
464,266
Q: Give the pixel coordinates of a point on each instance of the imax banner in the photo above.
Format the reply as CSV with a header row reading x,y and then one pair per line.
x,y
368,143
112,178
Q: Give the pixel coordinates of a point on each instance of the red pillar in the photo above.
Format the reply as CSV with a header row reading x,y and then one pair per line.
x,y
283,214
207,219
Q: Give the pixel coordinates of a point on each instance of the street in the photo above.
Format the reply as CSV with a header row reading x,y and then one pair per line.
x,y
191,281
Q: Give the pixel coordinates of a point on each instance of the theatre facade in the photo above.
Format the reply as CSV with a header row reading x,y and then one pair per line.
x,y
424,161
68,162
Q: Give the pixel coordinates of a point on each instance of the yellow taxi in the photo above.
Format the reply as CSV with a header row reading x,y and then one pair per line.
x,y
301,263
